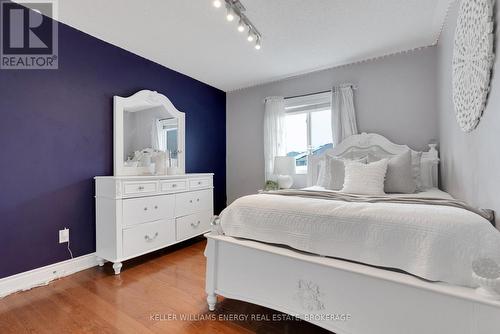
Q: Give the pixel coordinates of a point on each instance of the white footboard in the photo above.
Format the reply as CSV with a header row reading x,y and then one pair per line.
x,y
341,296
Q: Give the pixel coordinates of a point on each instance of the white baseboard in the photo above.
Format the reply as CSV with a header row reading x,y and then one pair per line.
x,y
42,276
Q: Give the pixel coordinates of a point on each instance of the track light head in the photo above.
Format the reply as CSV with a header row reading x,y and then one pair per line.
x,y
251,36
217,3
241,26
230,14
258,44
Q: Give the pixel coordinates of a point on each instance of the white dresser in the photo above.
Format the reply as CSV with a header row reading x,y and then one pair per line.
x,y
136,215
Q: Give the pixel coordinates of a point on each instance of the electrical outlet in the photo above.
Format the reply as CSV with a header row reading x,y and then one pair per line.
x,y
64,235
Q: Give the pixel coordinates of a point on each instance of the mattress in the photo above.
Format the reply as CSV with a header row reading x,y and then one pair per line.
x,y
434,242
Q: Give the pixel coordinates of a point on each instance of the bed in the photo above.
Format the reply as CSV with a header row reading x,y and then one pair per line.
x,y
345,266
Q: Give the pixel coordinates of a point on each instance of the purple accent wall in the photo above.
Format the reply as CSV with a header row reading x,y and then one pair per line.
x,y
56,131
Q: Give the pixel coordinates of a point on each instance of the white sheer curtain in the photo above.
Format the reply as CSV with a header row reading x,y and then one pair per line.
x,y
343,114
158,136
274,132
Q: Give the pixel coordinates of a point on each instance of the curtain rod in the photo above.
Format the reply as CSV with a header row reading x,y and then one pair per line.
x,y
304,95
325,91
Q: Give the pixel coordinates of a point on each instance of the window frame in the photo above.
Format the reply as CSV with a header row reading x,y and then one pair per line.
x,y
307,105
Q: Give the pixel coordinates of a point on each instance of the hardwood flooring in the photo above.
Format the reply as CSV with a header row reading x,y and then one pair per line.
x,y
162,292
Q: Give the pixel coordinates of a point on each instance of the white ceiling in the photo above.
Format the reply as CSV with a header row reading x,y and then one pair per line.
x,y
300,36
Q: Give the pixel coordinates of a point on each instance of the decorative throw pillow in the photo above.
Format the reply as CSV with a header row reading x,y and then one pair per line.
x,y
416,158
365,179
323,176
426,174
337,172
399,177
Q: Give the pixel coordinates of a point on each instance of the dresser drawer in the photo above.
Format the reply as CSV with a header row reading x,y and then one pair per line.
x,y
138,188
145,237
171,186
200,183
147,209
193,202
192,225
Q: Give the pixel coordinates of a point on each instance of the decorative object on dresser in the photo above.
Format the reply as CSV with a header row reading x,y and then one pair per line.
x,y
284,168
137,213
140,214
472,61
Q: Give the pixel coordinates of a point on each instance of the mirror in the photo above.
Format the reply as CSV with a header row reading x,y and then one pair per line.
x,y
149,135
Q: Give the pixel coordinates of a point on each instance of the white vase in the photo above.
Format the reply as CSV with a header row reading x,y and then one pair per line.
x,y
160,163
173,171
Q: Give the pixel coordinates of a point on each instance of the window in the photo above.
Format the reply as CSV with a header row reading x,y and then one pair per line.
x,y
170,136
308,128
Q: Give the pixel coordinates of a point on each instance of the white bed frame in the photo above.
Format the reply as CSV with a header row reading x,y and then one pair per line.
x,y
344,297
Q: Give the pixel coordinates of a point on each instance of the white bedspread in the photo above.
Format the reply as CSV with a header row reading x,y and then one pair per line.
x,y
438,243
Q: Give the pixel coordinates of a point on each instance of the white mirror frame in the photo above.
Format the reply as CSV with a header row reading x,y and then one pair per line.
x,y
144,99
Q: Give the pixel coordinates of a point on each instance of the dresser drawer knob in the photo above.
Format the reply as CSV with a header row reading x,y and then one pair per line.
x,y
156,206
141,188
197,200
146,208
174,185
148,238
190,201
195,224
199,182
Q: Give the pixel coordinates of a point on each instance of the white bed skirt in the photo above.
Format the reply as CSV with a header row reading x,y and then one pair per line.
x,y
341,296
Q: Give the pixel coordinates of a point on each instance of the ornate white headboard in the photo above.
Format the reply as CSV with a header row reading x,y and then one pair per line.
x,y
358,146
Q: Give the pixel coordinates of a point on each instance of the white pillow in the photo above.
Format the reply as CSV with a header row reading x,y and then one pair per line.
x,y
331,171
426,171
337,171
365,179
416,158
400,175
323,180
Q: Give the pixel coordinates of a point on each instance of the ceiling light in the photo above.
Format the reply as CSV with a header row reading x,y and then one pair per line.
x,y
236,10
250,37
230,14
241,26
258,44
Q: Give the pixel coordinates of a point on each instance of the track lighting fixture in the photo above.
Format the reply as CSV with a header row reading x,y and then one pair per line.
x,y
235,9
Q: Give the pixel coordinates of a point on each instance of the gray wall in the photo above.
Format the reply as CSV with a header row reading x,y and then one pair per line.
x,y
470,163
396,98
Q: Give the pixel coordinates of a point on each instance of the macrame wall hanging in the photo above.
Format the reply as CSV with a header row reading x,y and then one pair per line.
x,y
472,61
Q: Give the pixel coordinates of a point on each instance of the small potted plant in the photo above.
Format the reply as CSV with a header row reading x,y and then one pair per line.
x,y
271,185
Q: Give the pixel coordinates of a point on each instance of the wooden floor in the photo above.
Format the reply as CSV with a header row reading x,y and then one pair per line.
x,y
161,292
